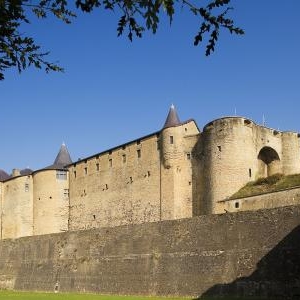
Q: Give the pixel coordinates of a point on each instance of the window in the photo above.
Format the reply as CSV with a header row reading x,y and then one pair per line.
x,y
124,158
250,173
85,171
138,142
138,153
26,187
188,156
110,162
237,205
74,174
97,166
171,139
61,175
219,148
66,193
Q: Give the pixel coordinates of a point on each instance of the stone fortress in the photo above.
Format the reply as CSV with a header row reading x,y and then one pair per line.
x,y
174,173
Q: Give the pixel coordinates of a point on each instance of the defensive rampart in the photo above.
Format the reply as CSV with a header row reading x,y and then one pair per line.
x,y
246,253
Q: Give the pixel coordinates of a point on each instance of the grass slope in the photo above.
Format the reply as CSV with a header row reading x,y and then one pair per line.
x,y
270,184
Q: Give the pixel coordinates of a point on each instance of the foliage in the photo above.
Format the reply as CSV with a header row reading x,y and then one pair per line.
x,y
274,183
17,50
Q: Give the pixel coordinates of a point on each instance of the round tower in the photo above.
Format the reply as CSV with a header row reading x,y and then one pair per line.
x,y
290,153
227,160
171,139
51,195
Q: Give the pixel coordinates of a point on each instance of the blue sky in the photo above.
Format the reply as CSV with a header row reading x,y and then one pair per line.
x,y
114,91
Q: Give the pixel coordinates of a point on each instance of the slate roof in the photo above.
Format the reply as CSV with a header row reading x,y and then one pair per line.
x,y
172,118
3,175
26,171
62,159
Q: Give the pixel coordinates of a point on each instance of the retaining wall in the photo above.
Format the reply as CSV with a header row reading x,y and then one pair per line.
x,y
246,253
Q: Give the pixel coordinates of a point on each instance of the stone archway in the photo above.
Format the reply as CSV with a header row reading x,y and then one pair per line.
x,y
268,162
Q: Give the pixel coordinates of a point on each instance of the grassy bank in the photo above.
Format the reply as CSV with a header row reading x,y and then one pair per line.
x,y
270,184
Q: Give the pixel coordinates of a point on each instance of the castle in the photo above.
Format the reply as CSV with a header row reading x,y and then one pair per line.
x,y
174,173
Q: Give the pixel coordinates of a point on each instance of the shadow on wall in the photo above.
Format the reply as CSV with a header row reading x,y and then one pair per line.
x,y
277,275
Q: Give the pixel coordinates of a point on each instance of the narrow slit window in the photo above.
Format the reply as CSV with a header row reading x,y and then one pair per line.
x,y
139,153
97,166
66,193
124,158
74,174
110,162
188,156
85,171
237,204
171,139
250,173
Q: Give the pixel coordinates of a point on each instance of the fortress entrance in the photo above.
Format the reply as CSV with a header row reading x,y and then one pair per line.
x,y
268,162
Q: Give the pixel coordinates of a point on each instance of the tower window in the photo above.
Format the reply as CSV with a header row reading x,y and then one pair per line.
x,y
250,173
110,162
97,166
236,204
61,175
138,153
85,171
171,139
124,158
188,156
219,148
74,174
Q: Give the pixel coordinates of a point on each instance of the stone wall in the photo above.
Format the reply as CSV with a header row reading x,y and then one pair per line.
x,y
264,201
246,253
146,180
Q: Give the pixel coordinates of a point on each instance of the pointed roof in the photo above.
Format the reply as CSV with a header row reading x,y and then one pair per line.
x,y
172,118
26,171
62,159
3,175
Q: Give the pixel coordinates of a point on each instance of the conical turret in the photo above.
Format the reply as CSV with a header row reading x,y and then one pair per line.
x,y
62,159
172,118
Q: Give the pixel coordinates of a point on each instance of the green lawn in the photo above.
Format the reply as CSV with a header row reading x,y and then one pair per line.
x,y
9,295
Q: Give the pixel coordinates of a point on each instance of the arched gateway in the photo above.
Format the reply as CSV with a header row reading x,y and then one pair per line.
x,y
268,162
